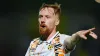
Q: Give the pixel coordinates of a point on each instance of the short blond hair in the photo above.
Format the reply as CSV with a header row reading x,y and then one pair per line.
x,y
56,7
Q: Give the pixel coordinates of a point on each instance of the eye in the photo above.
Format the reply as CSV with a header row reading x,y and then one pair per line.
x,y
40,16
47,16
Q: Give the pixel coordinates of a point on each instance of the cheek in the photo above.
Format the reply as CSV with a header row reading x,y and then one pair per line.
x,y
51,23
39,21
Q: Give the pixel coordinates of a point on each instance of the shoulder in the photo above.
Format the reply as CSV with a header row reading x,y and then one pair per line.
x,y
63,36
35,40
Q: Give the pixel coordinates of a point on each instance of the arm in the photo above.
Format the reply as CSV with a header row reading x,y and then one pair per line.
x,y
70,42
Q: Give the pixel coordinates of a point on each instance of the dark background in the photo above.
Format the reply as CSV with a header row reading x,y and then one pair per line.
x,y
19,24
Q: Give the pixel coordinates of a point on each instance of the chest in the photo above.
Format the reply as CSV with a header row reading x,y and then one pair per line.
x,y
54,48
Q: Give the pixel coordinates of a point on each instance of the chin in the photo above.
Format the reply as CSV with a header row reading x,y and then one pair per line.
x,y
42,31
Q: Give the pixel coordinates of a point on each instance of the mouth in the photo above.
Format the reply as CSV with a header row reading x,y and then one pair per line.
x,y
43,25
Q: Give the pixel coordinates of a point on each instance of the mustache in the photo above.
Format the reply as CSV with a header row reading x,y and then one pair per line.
x,y
43,25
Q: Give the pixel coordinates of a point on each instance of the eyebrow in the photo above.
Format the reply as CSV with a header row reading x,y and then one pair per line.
x,y
39,15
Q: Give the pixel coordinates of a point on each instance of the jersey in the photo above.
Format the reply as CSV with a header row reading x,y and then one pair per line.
x,y
52,47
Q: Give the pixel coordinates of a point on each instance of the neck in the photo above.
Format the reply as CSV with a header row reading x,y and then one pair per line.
x,y
52,33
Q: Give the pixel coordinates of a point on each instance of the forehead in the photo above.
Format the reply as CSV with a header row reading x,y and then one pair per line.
x,y
46,10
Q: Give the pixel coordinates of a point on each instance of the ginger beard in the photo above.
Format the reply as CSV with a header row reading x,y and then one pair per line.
x,y
47,20
43,29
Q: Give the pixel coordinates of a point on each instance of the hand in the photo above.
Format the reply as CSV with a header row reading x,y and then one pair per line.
x,y
83,33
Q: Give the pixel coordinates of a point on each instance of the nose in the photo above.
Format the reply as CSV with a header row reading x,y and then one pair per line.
x,y
43,20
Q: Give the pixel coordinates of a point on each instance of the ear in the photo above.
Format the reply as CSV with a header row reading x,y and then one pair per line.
x,y
57,22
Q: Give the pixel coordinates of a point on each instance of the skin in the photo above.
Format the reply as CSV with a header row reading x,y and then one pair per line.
x,y
74,39
48,22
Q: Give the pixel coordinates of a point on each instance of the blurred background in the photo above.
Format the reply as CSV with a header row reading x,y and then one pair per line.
x,y
19,24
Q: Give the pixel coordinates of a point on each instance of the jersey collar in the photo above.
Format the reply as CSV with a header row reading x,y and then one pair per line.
x,y
53,37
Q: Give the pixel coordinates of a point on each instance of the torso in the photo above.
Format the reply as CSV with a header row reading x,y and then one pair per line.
x,y
52,47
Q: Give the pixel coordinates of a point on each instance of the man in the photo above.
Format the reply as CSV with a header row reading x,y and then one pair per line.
x,y
51,42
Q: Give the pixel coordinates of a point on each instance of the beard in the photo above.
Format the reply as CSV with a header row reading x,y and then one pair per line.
x,y
44,30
